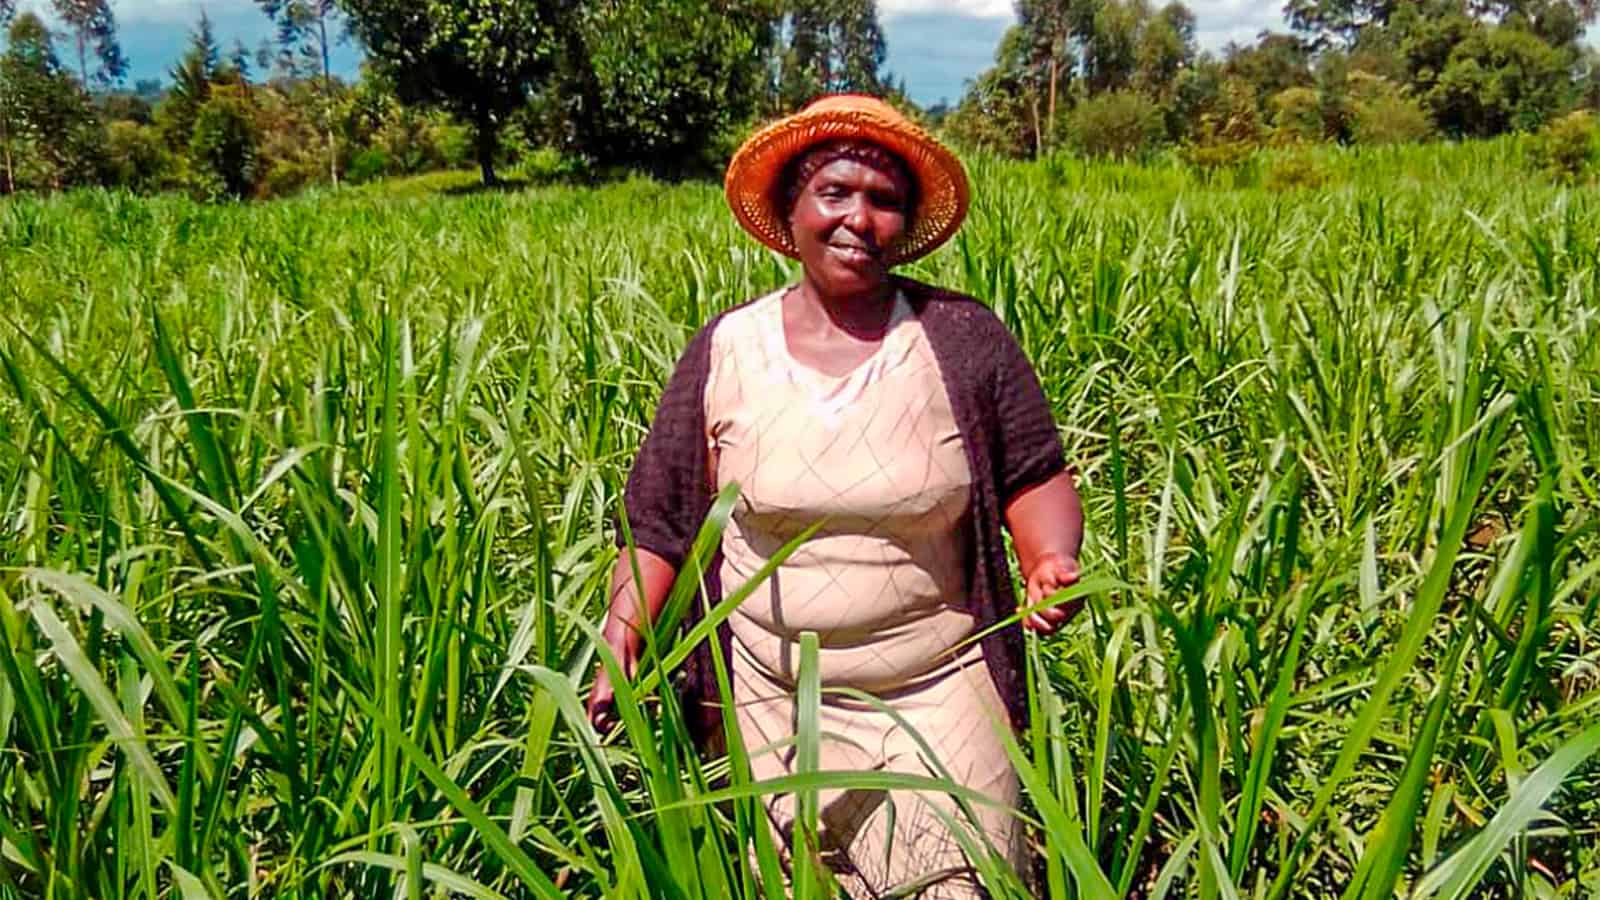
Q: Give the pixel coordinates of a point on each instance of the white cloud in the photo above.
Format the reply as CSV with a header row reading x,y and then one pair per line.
x,y
1217,21
185,11
1220,21
976,9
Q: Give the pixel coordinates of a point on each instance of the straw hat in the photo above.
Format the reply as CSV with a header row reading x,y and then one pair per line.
x,y
752,185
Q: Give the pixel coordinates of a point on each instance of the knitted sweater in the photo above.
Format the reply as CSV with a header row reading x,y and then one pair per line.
x,y
1005,424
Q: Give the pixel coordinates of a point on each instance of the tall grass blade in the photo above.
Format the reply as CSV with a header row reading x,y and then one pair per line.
x,y
1459,876
70,653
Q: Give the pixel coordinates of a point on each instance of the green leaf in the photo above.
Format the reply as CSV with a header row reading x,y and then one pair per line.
x,y
84,674
1460,874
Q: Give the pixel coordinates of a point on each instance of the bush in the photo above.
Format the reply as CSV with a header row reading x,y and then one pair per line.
x,y
455,145
1217,155
1296,172
368,164
137,158
406,139
293,150
1226,136
1380,112
1394,119
287,175
547,164
1569,147
1296,116
223,146
1120,124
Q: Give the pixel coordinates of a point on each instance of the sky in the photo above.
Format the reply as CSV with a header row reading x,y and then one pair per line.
x,y
934,45
937,45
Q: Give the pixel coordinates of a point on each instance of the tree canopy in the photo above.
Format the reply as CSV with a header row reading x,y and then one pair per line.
x,y
652,84
480,60
94,29
826,46
547,88
48,130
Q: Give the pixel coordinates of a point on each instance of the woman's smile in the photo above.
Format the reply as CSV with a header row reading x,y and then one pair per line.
x,y
854,254
843,221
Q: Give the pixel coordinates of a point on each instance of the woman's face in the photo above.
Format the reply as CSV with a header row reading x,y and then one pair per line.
x,y
844,222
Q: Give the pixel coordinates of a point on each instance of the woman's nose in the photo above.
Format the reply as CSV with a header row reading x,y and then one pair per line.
x,y
855,216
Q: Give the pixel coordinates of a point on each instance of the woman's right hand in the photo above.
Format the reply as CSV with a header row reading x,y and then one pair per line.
x,y
619,631
624,643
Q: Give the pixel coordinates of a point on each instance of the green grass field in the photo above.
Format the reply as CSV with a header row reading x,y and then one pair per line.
x,y
307,518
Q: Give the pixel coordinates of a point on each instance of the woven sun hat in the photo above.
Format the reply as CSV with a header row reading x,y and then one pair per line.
x,y
754,192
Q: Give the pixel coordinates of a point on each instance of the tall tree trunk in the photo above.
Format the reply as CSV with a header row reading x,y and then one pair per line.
x,y
5,147
487,140
327,99
1038,135
1050,119
83,60
9,186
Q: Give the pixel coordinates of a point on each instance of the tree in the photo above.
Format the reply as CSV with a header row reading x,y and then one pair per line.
x,y
224,142
1588,82
827,46
191,86
479,60
8,9
1273,64
303,32
1110,55
1084,48
1118,124
1055,33
998,111
45,112
1500,78
94,26
655,83
1327,23
1166,46
1556,22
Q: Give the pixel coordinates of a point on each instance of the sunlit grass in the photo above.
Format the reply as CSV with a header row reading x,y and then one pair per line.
x,y
308,510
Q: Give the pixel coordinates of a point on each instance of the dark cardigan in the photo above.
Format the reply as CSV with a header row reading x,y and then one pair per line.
x,y
1005,425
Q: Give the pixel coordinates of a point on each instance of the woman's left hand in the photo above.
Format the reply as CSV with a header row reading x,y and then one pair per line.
x,y
1051,573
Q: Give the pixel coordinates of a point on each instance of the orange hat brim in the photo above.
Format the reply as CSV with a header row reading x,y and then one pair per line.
x,y
943,194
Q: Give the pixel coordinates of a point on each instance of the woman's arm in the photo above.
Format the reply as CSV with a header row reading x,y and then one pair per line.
x,y
625,621
1046,524
665,501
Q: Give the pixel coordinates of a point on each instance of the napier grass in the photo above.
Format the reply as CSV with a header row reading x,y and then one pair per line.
x,y
308,509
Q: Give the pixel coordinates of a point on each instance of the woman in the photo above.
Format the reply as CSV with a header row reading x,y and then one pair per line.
x,y
907,420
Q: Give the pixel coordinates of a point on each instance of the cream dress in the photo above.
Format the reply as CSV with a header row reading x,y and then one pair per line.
x,y
877,455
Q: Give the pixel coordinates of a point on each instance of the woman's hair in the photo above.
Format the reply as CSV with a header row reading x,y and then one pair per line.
x,y
798,171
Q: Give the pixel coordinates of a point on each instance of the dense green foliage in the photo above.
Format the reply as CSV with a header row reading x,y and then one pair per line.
x,y
549,89
223,142
656,85
307,515
607,84
822,47
307,30
49,135
478,60
1382,71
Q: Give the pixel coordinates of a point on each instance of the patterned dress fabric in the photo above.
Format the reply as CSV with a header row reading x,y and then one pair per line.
x,y
877,456
1006,428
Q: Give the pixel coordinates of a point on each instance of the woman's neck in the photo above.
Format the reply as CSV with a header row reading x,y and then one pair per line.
x,y
863,315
